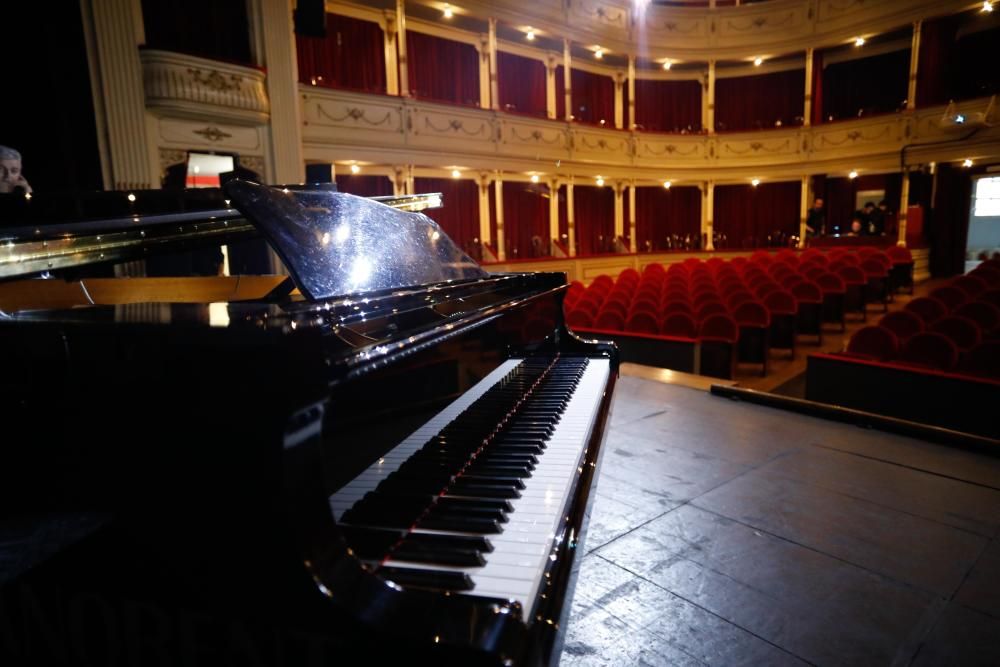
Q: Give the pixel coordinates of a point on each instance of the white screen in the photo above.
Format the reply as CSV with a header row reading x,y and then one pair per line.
x,y
987,197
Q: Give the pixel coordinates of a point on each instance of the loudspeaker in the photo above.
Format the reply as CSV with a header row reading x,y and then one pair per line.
x,y
310,18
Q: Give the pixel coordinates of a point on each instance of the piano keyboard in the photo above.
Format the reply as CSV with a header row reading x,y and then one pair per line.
x,y
472,501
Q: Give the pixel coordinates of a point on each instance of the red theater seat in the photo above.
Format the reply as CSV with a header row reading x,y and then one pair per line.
x,y
854,282
971,285
961,331
983,360
901,274
902,323
711,308
834,294
681,325
612,320
930,350
810,309
754,321
877,285
927,309
642,322
951,297
986,315
876,343
782,308
677,307
718,336
579,318
991,296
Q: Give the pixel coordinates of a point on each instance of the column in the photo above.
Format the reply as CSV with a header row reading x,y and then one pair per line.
x,y
391,64
553,210
485,73
804,209
550,86
911,91
119,100
501,251
707,203
807,107
619,209
570,223
633,244
399,181
567,79
619,79
494,81
631,96
411,181
283,91
484,208
404,74
708,101
904,204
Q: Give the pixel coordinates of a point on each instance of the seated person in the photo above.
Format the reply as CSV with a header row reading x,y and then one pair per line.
x,y
876,218
857,226
11,179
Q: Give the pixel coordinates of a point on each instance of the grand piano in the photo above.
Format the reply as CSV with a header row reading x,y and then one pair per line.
x,y
386,454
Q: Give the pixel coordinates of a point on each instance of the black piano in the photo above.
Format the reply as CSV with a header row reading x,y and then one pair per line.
x,y
378,453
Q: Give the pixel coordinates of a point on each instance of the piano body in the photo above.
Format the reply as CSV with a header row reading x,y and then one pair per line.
x,y
387,456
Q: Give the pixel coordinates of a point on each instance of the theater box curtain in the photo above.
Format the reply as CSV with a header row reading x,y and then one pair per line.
x,y
663,218
459,217
351,56
747,216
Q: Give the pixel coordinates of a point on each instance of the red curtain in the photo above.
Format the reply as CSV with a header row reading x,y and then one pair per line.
x,y
872,85
594,218
758,102
217,29
668,106
975,73
817,88
664,217
459,217
560,94
522,84
949,221
747,216
526,220
442,70
351,56
364,185
839,195
593,98
937,44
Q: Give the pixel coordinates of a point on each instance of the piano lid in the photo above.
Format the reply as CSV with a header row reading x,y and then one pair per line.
x,y
335,244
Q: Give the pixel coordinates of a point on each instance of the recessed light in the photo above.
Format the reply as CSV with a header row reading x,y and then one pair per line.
x,y
599,53
530,35
666,64
447,12
757,62
860,41
987,6
666,184
967,163
534,178
455,173
355,169
600,182
755,182
853,174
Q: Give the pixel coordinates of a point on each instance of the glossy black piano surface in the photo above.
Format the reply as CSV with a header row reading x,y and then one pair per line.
x,y
175,445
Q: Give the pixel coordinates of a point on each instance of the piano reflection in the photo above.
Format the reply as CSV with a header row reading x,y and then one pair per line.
x,y
386,454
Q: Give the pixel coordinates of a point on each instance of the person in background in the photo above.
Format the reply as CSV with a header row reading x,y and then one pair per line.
x,y
11,178
866,221
876,219
816,219
857,225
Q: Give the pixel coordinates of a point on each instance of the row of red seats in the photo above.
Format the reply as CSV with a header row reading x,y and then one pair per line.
x,y
955,328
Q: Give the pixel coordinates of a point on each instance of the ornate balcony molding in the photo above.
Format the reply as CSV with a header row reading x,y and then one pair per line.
x,y
186,86
391,130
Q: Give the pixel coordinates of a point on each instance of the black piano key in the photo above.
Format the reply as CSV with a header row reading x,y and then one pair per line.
x,y
370,543
461,542
489,503
433,579
461,524
469,478
484,490
417,553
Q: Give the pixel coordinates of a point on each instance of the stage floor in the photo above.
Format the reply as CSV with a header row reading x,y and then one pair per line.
x,y
726,533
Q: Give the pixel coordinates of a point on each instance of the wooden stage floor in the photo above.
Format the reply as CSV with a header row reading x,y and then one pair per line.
x,y
726,533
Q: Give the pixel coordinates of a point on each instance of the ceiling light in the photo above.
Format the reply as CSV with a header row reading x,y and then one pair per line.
x,y
455,173
534,178
967,163
600,182
959,118
666,184
755,182
987,6
666,64
131,197
757,62
860,41
355,169
853,174
447,12
599,53
530,35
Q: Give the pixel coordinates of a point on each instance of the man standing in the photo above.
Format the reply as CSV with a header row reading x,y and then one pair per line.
x,y
816,219
11,178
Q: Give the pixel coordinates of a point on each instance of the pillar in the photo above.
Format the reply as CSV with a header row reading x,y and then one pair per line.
x,y
631,96
619,79
567,79
550,86
708,101
904,204
804,209
411,181
911,91
570,222
391,63
404,74
619,209
807,106
484,208
633,244
399,181
494,80
283,91
501,250
553,210
707,204
486,74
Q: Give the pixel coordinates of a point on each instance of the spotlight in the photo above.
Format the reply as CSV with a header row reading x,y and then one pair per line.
x,y
959,119
530,35
599,53
853,174
131,197
600,182
987,6
967,163
757,62
666,64
455,173
860,41
666,184
534,178
755,182
355,169
447,12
